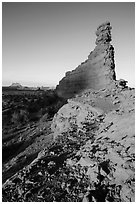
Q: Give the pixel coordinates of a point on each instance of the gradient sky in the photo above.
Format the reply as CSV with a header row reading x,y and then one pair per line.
x,y
41,41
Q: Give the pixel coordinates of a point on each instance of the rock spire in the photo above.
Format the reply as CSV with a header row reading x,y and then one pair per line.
x,y
97,72
103,33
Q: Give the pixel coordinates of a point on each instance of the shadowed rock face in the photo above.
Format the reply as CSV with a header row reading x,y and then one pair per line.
x,y
96,72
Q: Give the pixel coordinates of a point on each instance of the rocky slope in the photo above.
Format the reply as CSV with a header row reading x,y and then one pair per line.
x,y
96,72
108,152
92,155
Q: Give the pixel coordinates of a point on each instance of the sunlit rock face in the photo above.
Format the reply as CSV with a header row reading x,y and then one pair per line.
x,y
97,72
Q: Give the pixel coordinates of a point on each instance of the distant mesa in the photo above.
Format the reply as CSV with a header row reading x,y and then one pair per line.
x,y
15,85
97,72
18,86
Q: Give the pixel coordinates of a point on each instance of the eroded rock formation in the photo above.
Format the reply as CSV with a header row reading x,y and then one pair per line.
x,y
96,72
92,155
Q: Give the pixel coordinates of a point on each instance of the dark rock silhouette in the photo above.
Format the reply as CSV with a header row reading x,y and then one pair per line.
x,y
96,72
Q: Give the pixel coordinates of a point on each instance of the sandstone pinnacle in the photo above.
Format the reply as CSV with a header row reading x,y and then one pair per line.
x,y
97,72
103,33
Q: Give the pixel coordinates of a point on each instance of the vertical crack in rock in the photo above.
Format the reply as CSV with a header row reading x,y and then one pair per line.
x,y
97,72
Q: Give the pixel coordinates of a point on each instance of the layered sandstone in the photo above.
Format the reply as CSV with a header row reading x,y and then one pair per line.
x,y
96,72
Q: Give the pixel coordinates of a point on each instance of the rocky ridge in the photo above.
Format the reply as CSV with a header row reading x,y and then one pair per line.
x,y
92,155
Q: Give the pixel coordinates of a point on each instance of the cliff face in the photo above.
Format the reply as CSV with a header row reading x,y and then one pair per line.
x,y
96,72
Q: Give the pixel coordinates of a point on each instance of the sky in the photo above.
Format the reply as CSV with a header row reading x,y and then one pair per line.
x,y
42,41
